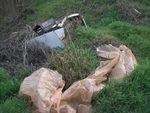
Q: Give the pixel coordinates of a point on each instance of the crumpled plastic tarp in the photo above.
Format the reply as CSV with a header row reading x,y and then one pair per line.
x,y
45,86
125,63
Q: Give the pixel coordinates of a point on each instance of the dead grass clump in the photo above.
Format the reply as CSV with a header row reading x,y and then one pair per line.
x,y
131,12
15,54
69,66
11,50
36,55
74,64
104,41
64,64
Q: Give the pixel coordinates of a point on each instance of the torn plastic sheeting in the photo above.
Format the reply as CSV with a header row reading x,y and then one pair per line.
x,y
51,39
78,96
126,61
42,86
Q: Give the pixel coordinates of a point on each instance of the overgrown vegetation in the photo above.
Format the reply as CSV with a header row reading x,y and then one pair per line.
x,y
9,100
77,60
15,105
107,24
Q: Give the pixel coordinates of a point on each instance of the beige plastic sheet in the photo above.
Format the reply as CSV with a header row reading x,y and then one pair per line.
x,y
125,64
44,86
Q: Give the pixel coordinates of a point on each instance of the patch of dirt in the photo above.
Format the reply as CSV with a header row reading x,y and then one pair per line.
x,y
131,12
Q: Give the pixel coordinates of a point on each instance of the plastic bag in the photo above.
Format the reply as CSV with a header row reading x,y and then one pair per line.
x,y
44,86
125,64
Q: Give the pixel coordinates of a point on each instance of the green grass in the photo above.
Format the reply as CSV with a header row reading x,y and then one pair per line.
x,y
9,88
131,95
3,74
23,72
135,37
52,9
146,1
15,105
94,11
9,100
100,12
79,59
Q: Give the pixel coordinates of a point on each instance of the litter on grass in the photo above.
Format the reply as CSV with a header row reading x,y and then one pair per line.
x,y
53,33
44,86
51,39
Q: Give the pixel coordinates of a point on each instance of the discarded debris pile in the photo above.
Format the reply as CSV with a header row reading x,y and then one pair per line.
x,y
44,86
69,22
54,34
25,49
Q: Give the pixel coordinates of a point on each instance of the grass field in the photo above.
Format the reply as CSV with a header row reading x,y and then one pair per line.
x,y
107,23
